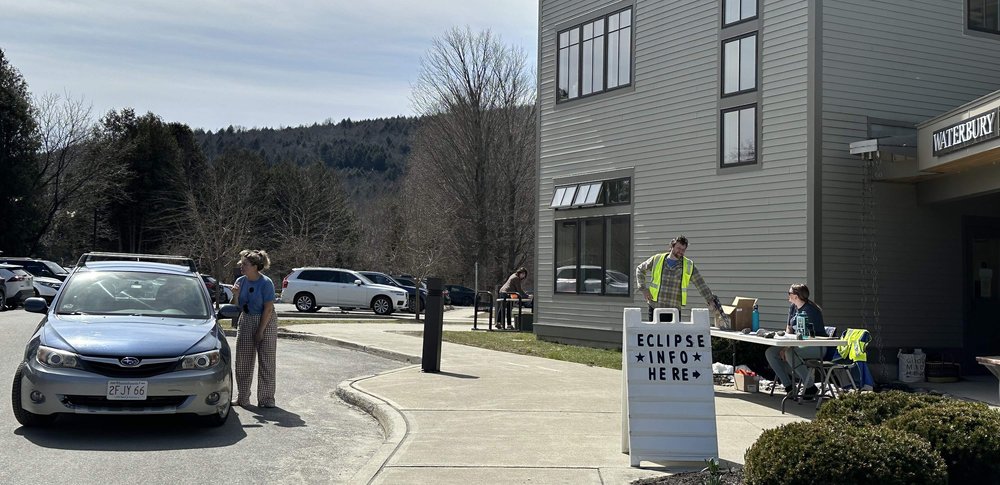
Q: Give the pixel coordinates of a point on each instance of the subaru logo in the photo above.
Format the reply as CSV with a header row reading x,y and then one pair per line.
x,y
129,361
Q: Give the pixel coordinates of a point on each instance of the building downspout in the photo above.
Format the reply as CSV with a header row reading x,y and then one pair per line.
x,y
814,151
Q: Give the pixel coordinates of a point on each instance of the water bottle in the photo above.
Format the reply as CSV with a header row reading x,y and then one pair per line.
x,y
756,319
800,325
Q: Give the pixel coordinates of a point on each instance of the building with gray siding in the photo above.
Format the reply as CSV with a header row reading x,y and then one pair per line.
x,y
781,137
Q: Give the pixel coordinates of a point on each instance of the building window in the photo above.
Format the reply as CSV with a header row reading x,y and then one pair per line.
x,y
592,194
738,11
592,256
596,56
739,64
984,15
739,136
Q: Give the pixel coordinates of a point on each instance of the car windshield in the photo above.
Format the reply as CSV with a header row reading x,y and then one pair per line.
x,y
55,268
133,293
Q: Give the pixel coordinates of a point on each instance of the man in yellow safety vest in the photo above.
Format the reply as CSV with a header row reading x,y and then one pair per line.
x,y
672,274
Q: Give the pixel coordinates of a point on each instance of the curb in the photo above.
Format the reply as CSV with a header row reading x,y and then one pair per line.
x,y
393,422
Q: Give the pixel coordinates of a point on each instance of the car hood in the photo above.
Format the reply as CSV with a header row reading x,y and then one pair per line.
x,y
386,288
112,335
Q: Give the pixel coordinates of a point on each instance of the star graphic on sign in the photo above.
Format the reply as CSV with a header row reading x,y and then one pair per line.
x,y
697,356
639,357
696,374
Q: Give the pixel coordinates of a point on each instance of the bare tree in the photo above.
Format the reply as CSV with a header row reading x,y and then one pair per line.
x,y
475,150
74,175
312,221
224,215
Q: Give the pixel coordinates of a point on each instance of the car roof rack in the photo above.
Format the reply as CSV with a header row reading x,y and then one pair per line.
x,y
153,258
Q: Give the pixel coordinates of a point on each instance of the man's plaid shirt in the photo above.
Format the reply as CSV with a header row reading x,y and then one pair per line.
x,y
669,295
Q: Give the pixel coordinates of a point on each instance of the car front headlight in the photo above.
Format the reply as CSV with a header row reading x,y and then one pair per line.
x,y
203,360
54,286
50,357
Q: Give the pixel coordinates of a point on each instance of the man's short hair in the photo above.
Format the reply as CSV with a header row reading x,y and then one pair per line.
x,y
522,269
682,240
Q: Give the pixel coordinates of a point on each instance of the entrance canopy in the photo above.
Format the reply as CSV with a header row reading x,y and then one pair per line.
x,y
952,156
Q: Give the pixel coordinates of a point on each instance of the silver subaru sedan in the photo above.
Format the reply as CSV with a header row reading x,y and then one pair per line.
x,y
126,337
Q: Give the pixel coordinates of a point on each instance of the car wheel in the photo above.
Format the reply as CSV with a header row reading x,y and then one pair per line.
x,y
219,418
304,302
24,417
382,305
3,299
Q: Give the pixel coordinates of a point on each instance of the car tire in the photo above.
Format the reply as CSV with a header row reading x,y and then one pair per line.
x,y
382,305
3,299
24,417
217,419
305,302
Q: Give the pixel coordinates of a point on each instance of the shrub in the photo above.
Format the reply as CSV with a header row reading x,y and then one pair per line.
x,y
817,452
966,434
871,408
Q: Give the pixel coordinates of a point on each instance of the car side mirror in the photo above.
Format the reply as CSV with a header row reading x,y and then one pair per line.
x,y
36,305
358,282
228,311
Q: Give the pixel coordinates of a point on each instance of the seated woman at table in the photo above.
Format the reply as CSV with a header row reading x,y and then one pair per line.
x,y
785,360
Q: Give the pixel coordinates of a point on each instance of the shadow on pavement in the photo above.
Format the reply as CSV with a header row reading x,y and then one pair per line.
x,y
455,374
133,433
802,409
276,415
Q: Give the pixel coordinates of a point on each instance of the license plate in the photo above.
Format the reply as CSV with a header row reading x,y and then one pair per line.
x,y
126,390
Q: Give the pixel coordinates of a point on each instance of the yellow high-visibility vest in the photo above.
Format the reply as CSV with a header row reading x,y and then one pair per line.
x,y
654,285
856,345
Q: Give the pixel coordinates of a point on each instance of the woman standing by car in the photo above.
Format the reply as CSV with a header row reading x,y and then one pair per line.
x,y
257,334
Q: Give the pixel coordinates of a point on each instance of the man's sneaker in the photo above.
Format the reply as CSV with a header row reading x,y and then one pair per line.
x,y
788,389
810,393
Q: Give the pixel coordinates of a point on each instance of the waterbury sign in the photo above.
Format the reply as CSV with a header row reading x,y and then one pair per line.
x,y
974,130
668,399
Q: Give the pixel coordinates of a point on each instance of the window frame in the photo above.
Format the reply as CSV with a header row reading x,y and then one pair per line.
x,y
722,136
756,63
579,27
580,271
722,16
572,192
968,17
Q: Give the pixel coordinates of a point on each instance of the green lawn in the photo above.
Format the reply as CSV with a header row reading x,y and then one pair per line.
x,y
526,344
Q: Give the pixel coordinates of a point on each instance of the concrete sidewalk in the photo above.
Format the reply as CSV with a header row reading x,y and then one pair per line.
x,y
496,417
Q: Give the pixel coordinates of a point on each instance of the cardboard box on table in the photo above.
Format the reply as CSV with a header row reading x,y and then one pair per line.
x,y
740,313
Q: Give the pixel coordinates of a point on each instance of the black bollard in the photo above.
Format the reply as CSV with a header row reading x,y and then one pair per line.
x,y
433,326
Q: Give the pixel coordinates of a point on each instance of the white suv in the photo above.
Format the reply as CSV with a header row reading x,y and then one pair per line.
x,y
313,288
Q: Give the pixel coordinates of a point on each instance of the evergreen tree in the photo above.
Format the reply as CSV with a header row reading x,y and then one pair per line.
x,y
18,145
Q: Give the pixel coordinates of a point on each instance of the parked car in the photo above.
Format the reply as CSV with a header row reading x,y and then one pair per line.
x,y
16,285
126,337
46,288
461,295
310,289
210,284
38,267
384,279
407,280
616,282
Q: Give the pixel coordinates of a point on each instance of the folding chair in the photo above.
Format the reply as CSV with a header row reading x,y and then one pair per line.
x,y
844,361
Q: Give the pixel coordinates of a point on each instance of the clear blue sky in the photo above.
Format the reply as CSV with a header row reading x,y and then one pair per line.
x,y
212,63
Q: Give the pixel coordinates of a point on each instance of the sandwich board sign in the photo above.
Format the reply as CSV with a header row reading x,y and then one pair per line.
x,y
668,398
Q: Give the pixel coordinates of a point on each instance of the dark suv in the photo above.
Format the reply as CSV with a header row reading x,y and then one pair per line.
x,y
38,267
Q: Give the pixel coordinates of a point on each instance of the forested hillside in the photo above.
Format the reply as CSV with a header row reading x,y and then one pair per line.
x,y
369,155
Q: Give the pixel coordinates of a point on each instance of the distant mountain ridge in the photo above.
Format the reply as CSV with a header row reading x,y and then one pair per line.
x,y
369,155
